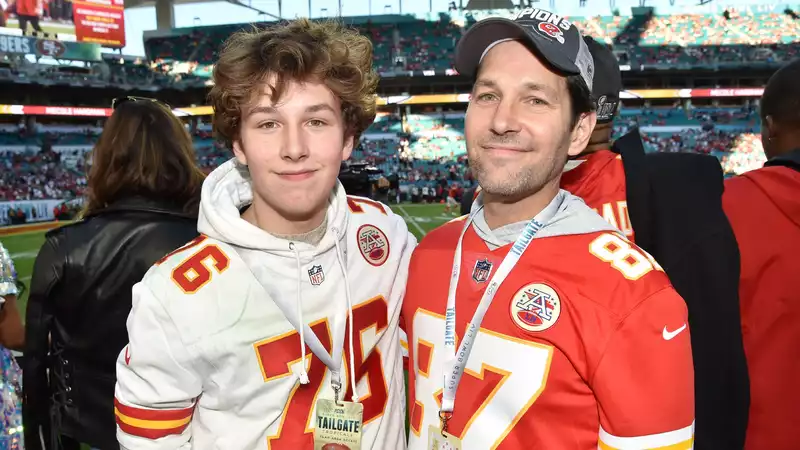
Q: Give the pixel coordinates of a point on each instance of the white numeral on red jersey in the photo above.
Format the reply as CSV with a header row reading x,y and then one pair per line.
x,y
632,262
512,371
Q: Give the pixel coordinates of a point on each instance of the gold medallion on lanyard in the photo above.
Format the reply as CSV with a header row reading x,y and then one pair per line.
x,y
337,425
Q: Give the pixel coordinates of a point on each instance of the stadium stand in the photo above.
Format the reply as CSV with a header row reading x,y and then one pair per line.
x,y
424,148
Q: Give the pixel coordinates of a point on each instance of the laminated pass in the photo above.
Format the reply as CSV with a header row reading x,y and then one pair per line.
x,y
338,425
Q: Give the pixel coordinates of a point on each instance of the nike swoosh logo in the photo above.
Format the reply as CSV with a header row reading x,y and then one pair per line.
x,y
128,356
668,335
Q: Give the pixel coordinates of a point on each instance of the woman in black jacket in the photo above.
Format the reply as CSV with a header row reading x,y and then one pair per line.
x,y
144,190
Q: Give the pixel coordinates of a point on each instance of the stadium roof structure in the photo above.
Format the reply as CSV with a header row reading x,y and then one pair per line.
x,y
165,11
490,4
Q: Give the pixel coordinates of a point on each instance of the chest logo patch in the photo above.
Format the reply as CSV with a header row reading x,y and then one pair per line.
x,y
482,270
535,307
373,244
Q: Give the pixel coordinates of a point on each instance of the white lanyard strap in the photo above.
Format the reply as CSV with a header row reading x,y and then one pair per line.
x,y
456,360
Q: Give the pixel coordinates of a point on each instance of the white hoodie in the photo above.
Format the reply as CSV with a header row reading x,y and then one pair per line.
x,y
215,353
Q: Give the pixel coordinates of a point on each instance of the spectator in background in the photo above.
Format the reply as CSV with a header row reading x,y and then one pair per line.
x,y
144,191
29,11
763,207
662,191
12,336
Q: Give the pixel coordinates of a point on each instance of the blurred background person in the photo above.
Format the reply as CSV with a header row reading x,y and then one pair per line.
x,y
12,336
763,207
649,197
143,193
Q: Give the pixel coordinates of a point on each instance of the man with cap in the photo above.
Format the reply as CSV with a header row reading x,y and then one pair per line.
x,y
533,323
661,191
671,204
596,174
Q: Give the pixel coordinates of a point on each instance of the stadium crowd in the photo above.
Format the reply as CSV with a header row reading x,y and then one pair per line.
x,y
424,150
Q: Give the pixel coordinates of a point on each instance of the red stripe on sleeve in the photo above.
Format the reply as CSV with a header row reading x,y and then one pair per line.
x,y
153,414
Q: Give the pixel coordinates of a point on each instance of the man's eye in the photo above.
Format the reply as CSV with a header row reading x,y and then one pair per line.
x,y
486,97
316,123
268,125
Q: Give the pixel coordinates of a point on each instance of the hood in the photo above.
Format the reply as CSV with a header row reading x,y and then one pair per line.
x,y
571,217
781,185
227,189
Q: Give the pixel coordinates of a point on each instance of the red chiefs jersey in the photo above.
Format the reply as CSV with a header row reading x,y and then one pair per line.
x,y
763,207
600,181
585,346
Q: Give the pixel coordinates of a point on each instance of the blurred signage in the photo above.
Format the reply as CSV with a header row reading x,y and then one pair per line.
x,y
100,22
27,45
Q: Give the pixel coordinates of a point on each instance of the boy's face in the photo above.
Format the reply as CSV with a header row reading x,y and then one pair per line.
x,y
294,148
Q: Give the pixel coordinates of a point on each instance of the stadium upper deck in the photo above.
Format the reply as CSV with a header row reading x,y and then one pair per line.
x,y
408,43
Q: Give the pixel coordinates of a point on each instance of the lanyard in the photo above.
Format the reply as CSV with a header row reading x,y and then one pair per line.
x,y
334,361
456,360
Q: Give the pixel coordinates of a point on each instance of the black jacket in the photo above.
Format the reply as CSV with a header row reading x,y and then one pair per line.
x,y
675,206
81,297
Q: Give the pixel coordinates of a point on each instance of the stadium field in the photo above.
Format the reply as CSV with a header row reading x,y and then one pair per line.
x,y
24,246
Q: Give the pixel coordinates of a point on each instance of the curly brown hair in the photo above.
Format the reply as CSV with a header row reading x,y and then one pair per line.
x,y
299,50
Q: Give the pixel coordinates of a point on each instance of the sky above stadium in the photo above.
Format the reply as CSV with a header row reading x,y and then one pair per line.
x,y
138,20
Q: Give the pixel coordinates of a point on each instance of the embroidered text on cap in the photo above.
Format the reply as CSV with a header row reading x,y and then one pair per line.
x,y
542,16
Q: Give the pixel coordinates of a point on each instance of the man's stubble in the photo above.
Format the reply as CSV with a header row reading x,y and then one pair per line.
x,y
510,179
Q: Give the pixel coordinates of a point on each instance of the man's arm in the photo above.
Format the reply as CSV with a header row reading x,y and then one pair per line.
x,y
644,383
157,385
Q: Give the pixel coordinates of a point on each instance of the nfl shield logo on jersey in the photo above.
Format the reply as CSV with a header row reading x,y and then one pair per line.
x,y
481,271
316,275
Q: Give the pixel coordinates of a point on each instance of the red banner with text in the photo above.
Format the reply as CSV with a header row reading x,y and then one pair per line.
x,y
100,22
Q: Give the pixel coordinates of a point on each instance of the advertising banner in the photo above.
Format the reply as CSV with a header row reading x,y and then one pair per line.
x,y
101,22
27,45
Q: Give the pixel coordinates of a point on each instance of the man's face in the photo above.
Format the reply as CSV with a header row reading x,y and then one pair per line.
x,y
518,123
294,148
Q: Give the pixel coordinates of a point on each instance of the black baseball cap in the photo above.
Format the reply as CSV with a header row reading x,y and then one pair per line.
x,y
550,36
607,82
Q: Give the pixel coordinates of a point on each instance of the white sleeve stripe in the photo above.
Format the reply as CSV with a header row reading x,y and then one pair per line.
x,y
680,439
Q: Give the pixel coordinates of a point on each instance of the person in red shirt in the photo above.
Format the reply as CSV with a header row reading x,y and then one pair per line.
x,y
597,174
763,207
533,323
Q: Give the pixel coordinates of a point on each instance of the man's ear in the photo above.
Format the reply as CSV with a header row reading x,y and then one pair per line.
x,y
581,133
349,142
772,127
239,153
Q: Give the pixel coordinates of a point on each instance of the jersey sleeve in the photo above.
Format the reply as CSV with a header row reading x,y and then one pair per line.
x,y
644,382
408,242
156,386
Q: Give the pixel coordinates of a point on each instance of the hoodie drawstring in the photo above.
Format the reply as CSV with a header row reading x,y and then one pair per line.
x,y
303,371
343,265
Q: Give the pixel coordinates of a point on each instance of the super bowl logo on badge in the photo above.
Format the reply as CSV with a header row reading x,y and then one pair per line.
x,y
535,307
373,244
316,275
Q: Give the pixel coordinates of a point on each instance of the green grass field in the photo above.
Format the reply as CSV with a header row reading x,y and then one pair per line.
x,y
23,247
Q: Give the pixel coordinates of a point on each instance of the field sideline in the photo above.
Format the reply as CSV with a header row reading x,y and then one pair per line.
x,y
24,246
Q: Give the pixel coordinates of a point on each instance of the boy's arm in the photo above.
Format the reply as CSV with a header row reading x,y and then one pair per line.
x,y
157,386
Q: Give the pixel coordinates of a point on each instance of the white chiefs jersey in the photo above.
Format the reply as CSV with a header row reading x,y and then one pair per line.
x,y
214,359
